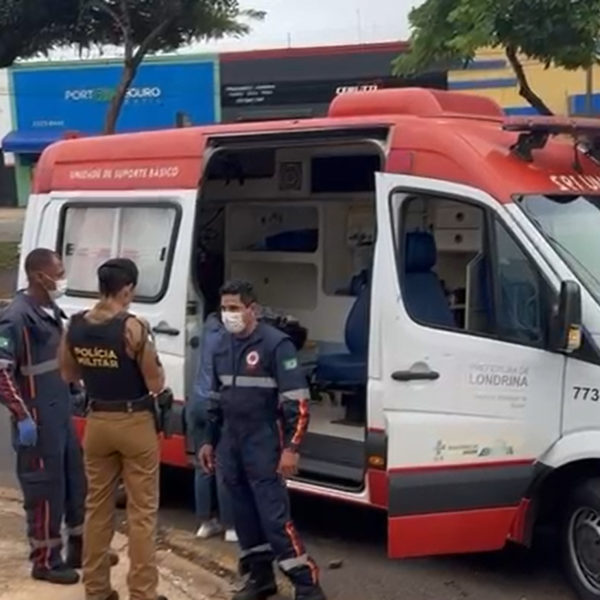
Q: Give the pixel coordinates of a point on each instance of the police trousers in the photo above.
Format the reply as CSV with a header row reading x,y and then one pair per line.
x,y
121,446
260,504
53,484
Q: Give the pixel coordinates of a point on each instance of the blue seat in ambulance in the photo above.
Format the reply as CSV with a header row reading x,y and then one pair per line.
x,y
349,369
424,295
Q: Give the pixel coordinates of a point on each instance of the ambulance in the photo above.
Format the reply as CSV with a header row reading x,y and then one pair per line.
x,y
434,261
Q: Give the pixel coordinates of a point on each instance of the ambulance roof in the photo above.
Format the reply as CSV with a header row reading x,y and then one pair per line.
x,y
443,135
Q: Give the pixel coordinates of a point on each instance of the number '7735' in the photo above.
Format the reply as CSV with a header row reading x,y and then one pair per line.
x,y
586,393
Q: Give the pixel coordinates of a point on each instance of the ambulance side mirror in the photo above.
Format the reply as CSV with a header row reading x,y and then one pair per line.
x,y
567,320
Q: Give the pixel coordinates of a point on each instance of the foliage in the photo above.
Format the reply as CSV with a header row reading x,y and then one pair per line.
x,y
561,33
31,27
142,27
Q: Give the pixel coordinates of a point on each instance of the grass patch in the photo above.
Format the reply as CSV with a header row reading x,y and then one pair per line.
x,y
9,256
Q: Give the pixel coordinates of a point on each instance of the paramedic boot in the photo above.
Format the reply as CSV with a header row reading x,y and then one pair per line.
x,y
62,575
75,551
311,592
260,583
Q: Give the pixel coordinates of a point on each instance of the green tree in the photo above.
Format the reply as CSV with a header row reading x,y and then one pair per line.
x,y
143,27
561,33
32,27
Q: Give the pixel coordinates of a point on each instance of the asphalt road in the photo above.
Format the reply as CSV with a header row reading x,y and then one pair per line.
x,y
357,538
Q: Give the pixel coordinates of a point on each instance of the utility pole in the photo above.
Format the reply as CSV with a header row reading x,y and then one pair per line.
x,y
589,91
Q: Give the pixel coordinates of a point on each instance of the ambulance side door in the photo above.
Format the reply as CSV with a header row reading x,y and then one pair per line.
x,y
469,403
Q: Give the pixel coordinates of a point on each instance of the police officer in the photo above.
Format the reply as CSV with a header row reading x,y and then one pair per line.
x,y
112,351
49,461
259,410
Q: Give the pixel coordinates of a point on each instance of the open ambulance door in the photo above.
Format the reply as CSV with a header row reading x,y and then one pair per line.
x,y
450,490
155,230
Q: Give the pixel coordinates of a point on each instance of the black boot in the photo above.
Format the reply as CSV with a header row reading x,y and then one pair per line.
x,y
260,584
62,575
312,592
75,552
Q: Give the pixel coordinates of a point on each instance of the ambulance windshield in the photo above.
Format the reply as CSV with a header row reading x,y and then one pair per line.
x,y
571,224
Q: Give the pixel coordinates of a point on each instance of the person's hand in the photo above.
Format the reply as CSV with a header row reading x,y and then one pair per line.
x,y
288,464
28,433
206,457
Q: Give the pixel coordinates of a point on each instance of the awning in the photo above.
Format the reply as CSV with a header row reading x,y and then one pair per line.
x,y
33,141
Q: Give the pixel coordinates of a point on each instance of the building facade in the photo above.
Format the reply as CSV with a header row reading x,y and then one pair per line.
x,y
41,103
54,101
302,82
492,76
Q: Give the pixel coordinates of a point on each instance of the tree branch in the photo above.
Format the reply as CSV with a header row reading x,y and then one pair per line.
x,y
146,45
100,5
525,90
128,46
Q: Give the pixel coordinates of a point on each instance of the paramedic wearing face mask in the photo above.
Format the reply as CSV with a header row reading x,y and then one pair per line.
x,y
258,414
49,461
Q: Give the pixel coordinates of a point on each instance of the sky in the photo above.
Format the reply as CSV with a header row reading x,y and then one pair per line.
x,y
294,23
315,22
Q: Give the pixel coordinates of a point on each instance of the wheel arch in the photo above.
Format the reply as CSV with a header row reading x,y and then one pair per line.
x,y
572,460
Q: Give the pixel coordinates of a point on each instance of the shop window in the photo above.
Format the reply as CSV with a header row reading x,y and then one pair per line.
x,y
92,234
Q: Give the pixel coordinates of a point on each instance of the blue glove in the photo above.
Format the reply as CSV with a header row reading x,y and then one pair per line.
x,y
28,434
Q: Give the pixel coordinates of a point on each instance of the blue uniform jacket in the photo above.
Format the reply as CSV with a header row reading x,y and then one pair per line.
x,y
258,382
30,381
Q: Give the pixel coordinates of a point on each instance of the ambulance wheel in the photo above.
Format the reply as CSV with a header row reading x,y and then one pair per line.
x,y
581,540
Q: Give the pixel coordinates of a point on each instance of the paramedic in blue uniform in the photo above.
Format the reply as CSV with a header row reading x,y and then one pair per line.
x,y
49,458
258,414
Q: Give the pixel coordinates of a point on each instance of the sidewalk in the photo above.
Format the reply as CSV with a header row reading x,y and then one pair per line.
x,y
180,579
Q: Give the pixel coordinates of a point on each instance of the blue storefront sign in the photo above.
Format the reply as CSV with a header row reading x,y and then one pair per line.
x,y
49,102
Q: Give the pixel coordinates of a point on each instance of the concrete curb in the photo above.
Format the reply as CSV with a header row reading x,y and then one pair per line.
x,y
215,556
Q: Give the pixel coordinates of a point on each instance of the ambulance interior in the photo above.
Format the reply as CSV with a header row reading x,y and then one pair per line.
x,y
299,223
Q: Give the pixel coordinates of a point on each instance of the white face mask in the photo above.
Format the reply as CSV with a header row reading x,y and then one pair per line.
x,y
233,321
60,291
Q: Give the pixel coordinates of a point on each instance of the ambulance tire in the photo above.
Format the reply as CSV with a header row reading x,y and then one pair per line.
x,y
580,538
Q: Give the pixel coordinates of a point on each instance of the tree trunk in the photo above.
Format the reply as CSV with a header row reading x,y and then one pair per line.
x,y
525,90
118,99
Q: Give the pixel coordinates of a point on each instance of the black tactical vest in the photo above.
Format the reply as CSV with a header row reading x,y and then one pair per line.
x,y
108,372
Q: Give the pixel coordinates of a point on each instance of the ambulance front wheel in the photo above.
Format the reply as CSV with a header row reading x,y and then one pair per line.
x,y
581,539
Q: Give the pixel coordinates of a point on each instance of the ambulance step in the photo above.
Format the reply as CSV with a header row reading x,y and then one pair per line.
x,y
332,460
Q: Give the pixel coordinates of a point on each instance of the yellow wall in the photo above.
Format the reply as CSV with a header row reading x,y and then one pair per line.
x,y
490,75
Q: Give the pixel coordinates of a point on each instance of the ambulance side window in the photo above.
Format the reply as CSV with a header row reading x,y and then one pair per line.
x,y
461,269
90,234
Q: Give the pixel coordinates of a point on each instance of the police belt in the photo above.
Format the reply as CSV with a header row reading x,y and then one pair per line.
x,y
145,404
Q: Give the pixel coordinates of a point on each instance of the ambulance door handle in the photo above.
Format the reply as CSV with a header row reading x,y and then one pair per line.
x,y
415,375
164,329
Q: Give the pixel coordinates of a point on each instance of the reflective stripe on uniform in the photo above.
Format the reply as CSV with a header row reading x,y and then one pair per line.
x,y
74,531
289,564
51,543
6,364
40,368
302,394
248,381
263,548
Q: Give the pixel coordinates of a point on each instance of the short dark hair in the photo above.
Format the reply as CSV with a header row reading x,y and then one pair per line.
x,y
116,274
241,288
39,259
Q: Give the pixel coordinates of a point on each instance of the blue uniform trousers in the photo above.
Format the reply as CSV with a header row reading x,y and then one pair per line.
x,y
249,458
53,483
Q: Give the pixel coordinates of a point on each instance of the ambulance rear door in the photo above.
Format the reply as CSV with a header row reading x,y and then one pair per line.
x,y
155,230
467,407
